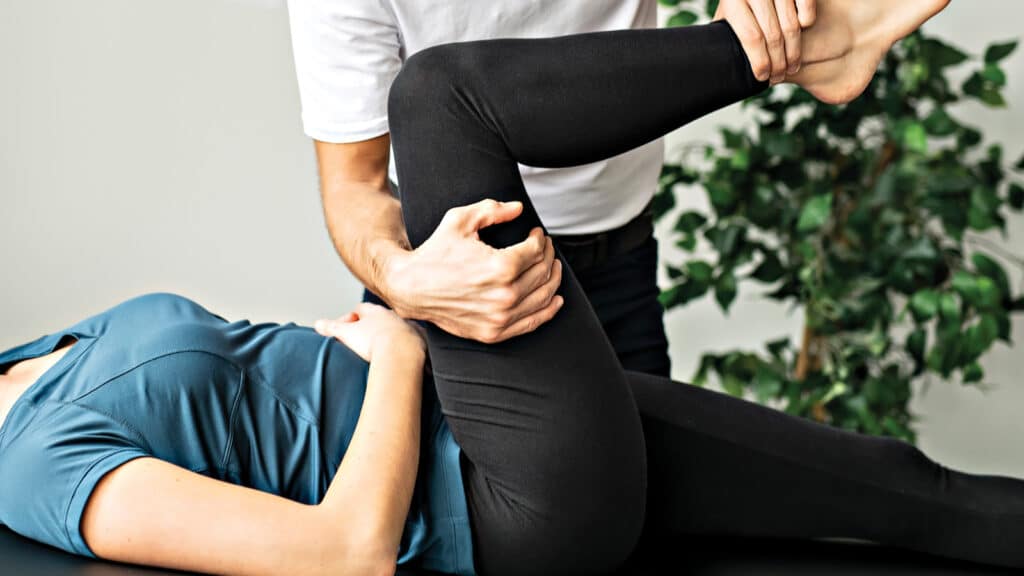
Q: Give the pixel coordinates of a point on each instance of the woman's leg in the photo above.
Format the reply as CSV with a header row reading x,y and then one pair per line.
x,y
554,462
717,464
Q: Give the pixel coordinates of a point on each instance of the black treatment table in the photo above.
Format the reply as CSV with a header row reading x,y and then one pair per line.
x,y
697,556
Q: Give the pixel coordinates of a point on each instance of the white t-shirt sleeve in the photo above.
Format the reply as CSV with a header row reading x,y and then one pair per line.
x,y
347,53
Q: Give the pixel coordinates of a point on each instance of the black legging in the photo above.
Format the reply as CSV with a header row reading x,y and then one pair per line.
x,y
568,458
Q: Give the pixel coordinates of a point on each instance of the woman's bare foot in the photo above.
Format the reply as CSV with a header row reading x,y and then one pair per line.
x,y
848,40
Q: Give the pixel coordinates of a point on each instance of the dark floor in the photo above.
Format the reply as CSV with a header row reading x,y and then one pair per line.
x,y
697,556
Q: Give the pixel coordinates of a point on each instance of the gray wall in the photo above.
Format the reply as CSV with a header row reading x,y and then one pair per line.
x,y
156,146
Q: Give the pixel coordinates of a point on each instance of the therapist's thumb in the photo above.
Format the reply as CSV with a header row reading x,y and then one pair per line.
x,y
487,212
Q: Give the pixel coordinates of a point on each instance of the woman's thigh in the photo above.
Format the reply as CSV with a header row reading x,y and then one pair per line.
x,y
552,445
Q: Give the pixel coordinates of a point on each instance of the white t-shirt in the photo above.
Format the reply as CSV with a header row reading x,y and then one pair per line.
x,y
347,53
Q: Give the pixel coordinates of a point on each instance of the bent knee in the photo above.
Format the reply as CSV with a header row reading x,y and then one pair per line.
x,y
442,78
425,82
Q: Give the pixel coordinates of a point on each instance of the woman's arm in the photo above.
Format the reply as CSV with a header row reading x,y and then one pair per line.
x,y
152,512
376,478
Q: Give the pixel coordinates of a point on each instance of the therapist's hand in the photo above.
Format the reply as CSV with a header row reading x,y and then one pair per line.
x,y
470,289
770,33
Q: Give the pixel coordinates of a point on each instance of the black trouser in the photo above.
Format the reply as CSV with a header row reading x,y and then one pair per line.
x,y
558,474
623,291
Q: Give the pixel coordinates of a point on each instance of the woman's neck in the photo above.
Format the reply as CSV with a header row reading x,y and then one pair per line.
x,y
22,375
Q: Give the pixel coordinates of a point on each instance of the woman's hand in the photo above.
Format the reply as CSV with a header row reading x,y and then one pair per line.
x,y
371,326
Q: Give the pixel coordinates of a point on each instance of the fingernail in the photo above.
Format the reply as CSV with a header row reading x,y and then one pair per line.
x,y
560,301
319,325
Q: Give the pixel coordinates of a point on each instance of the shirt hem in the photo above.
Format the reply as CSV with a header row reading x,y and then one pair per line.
x,y
347,134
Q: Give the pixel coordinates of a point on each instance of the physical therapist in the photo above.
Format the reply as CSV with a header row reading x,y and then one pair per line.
x,y
348,52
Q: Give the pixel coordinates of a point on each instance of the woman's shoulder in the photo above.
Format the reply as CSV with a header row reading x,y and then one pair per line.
x,y
160,305
144,314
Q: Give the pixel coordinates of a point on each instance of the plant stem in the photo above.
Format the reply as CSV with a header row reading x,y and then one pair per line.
x,y
803,361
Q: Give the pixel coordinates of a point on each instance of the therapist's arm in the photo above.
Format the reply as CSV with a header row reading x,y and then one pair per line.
x,y
453,280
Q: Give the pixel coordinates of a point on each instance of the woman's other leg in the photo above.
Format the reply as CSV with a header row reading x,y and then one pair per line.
x,y
721,465
554,462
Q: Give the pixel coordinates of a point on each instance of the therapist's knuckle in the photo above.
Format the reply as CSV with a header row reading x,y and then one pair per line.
x,y
502,270
498,321
505,298
552,288
489,335
539,243
531,324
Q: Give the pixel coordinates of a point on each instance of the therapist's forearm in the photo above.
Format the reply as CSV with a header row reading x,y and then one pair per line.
x,y
365,225
363,219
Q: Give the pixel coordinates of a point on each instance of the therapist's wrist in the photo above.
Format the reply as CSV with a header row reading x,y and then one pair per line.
x,y
397,283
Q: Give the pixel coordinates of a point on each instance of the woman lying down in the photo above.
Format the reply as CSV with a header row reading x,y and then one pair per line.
x,y
159,433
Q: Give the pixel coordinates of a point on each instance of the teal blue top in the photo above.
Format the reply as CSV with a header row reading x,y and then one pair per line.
x,y
268,406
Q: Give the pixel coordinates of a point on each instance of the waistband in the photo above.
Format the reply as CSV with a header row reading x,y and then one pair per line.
x,y
584,251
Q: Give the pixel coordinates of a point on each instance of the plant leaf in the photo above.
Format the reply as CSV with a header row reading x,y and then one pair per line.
x,y
682,293
997,52
941,55
963,282
924,304
994,74
681,18
915,137
815,213
689,222
987,92
664,201
915,345
769,270
992,270
725,290
1015,196
973,373
767,384
939,123
949,308
699,271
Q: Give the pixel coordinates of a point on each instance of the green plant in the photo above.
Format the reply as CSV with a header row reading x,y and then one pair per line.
x,y
867,216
